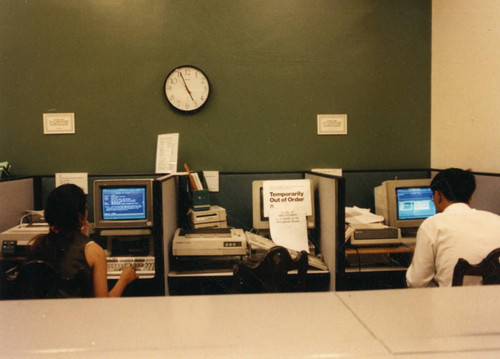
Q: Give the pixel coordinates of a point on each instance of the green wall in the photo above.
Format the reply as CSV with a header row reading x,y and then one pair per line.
x,y
273,66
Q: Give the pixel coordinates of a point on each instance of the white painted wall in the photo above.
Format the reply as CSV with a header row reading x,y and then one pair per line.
x,y
465,114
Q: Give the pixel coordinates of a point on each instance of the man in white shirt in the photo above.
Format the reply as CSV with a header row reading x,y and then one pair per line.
x,y
456,231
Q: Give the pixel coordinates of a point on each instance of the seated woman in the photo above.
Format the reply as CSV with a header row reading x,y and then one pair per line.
x,y
70,251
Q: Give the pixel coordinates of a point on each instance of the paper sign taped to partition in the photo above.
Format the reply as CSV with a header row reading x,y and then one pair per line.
x,y
286,204
288,228
167,149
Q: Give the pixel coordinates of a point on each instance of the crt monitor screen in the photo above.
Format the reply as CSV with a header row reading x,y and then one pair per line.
x,y
124,203
414,203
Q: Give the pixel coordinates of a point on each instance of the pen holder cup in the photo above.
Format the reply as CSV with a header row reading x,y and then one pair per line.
x,y
201,199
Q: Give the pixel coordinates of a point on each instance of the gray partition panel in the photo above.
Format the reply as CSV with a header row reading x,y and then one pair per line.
x,y
331,219
16,196
487,194
169,185
235,195
360,184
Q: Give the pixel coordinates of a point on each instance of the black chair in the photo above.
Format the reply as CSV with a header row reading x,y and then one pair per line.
x,y
271,273
34,279
37,279
488,268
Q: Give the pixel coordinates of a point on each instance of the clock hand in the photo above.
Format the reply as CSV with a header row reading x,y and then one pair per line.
x,y
189,92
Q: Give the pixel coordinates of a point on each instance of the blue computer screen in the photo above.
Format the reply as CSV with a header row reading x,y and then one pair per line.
x,y
124,203
415,203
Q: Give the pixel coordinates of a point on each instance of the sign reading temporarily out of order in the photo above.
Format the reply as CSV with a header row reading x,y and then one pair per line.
x,y
287,203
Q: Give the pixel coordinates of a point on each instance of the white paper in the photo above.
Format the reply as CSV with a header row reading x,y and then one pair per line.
x,y
79,179
286,204
329,171
361,215
166,153
212,179
288,228
197,181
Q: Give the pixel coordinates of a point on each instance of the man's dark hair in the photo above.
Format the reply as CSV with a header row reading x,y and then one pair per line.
x,y
455,184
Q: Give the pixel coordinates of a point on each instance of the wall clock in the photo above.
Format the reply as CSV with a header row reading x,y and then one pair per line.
x,y
187,88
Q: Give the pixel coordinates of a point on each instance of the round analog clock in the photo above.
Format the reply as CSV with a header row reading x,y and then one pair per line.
x,y
187,88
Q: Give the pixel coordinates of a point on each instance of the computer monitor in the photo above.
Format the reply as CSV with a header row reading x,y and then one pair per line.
x,y
123,203
404,203
260,222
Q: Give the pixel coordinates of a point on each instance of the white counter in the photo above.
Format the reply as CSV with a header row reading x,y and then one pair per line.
x,y
430,320
430,323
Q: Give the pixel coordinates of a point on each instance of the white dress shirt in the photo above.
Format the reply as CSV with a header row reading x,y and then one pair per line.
x,y
458,232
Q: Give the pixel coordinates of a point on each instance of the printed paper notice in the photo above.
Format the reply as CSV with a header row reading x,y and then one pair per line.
x,y
166,153
79,179
58,123
286,204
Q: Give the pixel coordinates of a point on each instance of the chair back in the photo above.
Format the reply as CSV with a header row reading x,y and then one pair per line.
x,y
37,279
488,269
271,273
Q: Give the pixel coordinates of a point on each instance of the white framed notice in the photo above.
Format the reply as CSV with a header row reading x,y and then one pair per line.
x,y
332,124
58,123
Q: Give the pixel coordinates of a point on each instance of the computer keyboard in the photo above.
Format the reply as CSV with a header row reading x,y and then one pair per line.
x,y
144,266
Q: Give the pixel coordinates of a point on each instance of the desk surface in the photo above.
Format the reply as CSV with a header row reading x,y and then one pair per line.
x,y
431,319
235,326
425,323
378,250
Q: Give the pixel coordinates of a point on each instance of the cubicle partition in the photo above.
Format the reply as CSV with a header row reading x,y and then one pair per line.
x,y
16,196
235,195
330,194
169,188
487,192
359,185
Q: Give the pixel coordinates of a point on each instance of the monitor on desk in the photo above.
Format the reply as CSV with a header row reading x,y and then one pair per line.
x,y
404,203
123,203
260,222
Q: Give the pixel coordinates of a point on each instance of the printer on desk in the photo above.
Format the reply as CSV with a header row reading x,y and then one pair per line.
x,y
214,217
24,233
209,242
16,240
373,234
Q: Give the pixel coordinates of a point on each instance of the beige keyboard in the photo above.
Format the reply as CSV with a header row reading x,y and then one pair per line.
x,y
144,266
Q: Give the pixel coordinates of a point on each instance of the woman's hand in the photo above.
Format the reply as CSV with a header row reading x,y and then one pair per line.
x,y
128,275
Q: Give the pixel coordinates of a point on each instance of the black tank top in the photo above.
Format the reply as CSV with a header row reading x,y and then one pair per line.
x,y
75,275
74,270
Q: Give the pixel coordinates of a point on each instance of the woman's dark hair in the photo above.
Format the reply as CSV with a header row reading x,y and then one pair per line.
x,y
65,206
455,184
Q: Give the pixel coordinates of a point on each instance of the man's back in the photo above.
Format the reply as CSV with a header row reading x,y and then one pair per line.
x,y
457,232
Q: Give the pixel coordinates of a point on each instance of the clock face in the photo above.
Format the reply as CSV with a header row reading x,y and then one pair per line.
x,y
187,88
